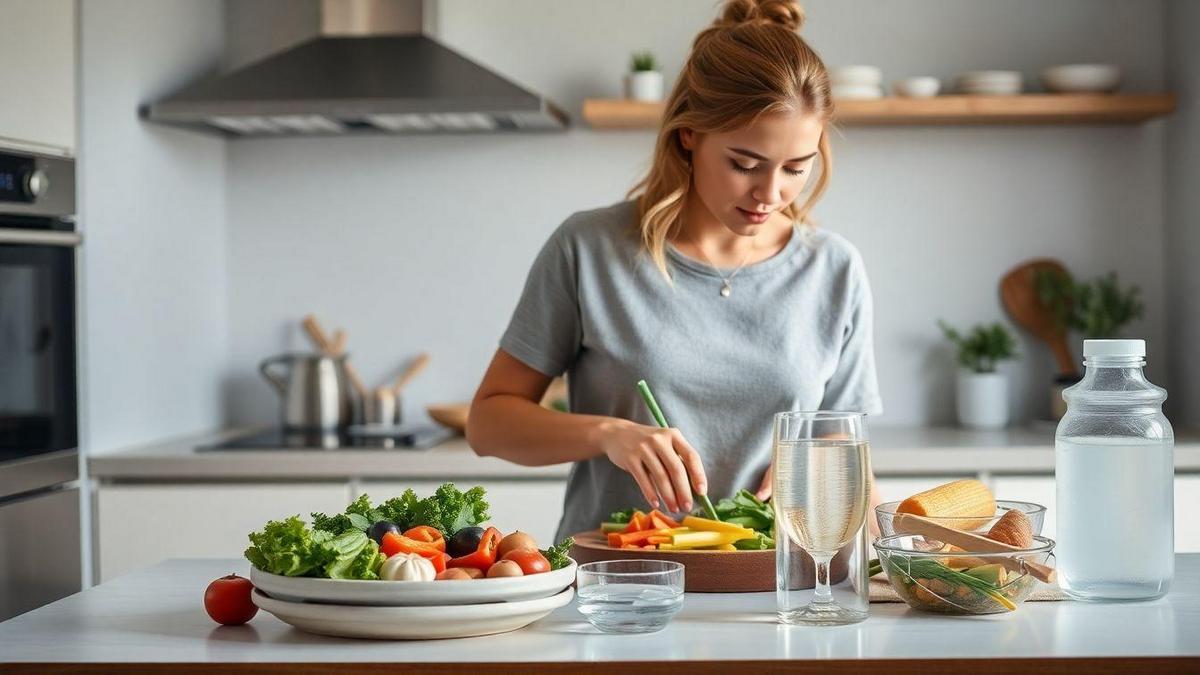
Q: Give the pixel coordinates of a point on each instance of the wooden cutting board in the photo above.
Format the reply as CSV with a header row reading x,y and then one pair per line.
x,y
709,571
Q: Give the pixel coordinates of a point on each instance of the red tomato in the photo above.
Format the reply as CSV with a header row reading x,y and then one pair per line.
x,y
227,600
531,562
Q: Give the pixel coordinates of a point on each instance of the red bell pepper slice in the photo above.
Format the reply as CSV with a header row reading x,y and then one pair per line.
x,y
396,543
484,555
427,534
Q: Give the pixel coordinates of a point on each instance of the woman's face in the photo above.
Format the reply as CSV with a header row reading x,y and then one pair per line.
x,y
744,176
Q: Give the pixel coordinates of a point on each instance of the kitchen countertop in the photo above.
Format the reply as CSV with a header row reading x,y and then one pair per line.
x,y
895,451
155,617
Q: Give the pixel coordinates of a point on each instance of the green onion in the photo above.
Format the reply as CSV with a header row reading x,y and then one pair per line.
x,y
932,569
705,502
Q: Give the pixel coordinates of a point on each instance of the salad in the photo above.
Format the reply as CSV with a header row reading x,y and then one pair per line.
x,y
745,523
405,538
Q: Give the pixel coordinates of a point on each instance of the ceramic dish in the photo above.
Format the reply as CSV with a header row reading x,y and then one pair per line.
x,y
411,623
1082,78
413,593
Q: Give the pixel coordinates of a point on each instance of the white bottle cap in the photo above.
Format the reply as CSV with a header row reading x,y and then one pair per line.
x,y
1117,348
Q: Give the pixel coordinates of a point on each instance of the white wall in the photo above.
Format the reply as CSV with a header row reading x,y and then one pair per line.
x,y
423,243
152,210
1183,211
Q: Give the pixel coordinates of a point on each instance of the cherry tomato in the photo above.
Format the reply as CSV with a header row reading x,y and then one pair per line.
x,y
227,600
531,562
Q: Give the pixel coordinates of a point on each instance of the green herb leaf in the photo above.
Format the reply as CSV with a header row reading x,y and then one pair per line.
x,y
557,555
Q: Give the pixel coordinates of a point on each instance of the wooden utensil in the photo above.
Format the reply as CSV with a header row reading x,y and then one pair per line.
x,y
314,330
1018,290
452,415
907,523
418,364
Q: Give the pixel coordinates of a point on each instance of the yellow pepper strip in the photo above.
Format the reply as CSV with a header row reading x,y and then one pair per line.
x,y
706,525
700,539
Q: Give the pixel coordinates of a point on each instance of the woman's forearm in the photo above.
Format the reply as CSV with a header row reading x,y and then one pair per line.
x,y
518,430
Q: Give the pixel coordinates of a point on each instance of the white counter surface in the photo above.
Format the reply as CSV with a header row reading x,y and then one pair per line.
x,y
156,615
895,451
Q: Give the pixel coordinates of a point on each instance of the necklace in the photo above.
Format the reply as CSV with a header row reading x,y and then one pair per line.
x,y
726,281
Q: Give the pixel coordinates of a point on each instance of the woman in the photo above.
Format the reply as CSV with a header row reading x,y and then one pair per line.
x,y
709,284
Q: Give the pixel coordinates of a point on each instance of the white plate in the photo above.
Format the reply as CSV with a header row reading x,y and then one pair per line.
x,y
411,623
413,593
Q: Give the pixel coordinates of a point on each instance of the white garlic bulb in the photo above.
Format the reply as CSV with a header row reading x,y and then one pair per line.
x,y
407,567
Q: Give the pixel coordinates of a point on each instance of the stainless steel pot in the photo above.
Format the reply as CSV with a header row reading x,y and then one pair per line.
x,y
314,387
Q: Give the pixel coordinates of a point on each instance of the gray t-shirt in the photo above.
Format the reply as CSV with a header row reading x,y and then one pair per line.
x,y
794,334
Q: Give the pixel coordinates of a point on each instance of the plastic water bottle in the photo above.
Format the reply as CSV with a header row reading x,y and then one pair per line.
x,y
1114,475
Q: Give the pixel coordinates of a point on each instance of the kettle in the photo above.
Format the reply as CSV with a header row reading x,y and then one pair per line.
x,y
315,390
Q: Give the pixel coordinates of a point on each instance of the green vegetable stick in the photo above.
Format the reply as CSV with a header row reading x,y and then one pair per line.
x,y
705,502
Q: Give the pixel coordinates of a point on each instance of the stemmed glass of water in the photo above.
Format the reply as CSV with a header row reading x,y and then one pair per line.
x,y
822,488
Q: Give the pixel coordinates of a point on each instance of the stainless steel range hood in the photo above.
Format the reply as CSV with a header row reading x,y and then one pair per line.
x,y
369,69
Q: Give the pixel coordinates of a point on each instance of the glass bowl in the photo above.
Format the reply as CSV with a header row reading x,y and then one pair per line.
x,y
959,582
630,596
885,513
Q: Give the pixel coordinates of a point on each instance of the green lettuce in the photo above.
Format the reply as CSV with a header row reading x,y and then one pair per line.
x,y
360,515
290,548
448,509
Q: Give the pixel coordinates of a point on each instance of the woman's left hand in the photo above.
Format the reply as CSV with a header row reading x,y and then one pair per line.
x,y
764,488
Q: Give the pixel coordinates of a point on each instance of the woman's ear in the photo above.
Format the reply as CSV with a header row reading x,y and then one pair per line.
x,y
687,138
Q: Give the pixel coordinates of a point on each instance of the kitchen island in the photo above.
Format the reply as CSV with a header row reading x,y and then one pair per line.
x,y
153,620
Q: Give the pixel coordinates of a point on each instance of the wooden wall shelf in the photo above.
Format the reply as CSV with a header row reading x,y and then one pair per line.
x,y
959,110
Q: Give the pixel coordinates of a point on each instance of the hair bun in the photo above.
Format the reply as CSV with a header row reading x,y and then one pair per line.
x,y
786,13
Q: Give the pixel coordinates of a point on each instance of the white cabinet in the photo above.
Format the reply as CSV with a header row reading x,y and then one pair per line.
x,y
532,506
139,525
896,488
37,72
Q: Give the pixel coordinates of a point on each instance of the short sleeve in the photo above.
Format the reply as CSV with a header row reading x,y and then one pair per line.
x,y
545,330
853,385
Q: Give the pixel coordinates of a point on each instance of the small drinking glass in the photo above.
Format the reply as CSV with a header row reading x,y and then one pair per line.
x,y
822,479
630,596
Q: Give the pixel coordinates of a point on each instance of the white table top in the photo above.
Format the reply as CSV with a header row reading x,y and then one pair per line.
x,y
156,615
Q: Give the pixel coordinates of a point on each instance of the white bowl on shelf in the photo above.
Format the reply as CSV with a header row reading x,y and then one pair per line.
x,y
1079,78
856,75
917,87
856,91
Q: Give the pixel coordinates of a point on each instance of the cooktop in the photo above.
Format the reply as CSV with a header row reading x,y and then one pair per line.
x,y
360,437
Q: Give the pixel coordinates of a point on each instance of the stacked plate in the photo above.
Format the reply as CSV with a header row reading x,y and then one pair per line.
x,y
991,82
412,610
856,82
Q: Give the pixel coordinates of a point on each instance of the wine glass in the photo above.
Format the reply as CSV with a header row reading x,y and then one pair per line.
x,y
822,481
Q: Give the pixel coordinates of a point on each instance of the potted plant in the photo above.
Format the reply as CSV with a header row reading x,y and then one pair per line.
x,y
981,393
1099,308
644,82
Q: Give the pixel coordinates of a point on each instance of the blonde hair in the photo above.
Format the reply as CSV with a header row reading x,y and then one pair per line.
x,y
750,62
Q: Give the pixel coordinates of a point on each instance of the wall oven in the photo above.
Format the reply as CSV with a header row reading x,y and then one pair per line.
x,y
39,461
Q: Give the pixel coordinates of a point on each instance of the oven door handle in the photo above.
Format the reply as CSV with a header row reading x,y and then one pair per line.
x,y
39,237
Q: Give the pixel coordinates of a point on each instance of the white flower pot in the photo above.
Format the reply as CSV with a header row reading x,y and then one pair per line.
x,y
982,400
644,85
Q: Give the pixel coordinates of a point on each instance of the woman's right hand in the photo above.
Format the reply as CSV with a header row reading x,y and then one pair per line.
x,y
660,460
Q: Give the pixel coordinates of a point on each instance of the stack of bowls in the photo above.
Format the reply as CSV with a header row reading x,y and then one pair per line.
x,y
924,573
990,82
856,82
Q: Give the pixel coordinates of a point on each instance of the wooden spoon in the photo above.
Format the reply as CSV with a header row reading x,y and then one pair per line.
x,y
418,364
317,333
907,523
1018,290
